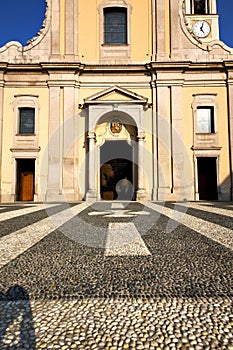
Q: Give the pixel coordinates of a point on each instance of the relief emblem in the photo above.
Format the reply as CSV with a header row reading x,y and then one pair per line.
x,y
116,126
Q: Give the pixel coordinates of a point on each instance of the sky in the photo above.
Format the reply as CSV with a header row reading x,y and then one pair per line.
x,y
20,20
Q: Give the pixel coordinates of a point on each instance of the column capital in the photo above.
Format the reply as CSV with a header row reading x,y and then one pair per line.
x,y
91,135
141,136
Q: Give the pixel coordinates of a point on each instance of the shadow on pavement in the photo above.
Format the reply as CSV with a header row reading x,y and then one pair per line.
x,y
15,308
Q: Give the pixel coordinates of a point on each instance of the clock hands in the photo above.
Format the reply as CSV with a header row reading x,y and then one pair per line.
x,y
201,27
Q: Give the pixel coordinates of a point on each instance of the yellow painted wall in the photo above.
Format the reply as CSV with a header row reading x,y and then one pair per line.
x,y
88,30
7,141
139,31
140,35
9,129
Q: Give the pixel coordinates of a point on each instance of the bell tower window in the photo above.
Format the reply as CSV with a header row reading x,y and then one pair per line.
x,y
200,7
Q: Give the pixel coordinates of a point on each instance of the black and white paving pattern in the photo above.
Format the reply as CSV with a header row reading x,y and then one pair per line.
x,y
116,275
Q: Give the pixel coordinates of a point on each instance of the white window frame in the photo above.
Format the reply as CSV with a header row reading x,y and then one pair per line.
x,y
205,100
25,101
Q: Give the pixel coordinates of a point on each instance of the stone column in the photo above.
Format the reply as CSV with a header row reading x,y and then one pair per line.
x,y
141,192
92,192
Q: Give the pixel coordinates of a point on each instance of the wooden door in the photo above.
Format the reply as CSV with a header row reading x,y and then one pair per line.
x,y
26,186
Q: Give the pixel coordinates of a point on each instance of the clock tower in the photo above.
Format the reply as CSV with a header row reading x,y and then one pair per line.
x,y
202,19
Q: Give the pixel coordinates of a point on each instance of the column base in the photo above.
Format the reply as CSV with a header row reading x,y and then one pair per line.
x,y
176,194
141,195
7,198
54,196
224,197
164,193
72,195
154,194
91,196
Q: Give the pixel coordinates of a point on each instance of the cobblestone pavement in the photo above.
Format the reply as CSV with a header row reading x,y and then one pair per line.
x,y
116,276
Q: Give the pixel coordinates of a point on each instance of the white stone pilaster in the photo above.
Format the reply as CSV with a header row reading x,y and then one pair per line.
x,y
230,123
55,28
164,142
141,192
92,191
1,128
154,141
69,142
53,186
71,29
196,189
160,30
177,145
153,7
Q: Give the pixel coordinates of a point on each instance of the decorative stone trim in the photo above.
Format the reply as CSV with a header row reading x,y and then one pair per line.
x,y
43,31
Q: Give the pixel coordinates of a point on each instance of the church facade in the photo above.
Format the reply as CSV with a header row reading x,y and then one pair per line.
x,y
118,99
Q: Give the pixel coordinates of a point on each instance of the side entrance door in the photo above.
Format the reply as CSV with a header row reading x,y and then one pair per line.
x,y
25,179
26,186
207,178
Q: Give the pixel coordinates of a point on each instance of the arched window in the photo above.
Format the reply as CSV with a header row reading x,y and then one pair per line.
x,y
115,25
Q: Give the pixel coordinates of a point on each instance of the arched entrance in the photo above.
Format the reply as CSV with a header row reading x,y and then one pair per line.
x,y
115,115
118,171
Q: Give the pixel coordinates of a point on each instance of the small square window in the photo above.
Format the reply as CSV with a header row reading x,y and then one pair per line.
x,y
205,120
26,120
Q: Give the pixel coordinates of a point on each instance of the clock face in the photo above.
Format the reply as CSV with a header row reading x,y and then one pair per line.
x,y
201,29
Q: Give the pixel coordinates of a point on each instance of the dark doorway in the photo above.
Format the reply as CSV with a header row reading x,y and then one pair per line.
x,y
116,172
25,179
207,178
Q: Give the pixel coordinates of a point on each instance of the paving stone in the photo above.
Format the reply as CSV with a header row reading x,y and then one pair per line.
x,y
63,293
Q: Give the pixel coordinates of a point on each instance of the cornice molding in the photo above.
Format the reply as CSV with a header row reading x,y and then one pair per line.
x,y
115,68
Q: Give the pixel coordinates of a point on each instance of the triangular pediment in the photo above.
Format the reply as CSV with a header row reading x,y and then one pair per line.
x,y
115,94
